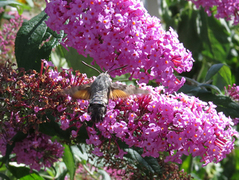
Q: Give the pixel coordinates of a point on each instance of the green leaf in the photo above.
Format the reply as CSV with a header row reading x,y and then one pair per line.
x,y
231,165
81,152
30,2
32,176
221,75
62,175
10,3
19,172
214,69
69,161
153,164
149,163
58,171
224,104
225,73
235,176
4,177
74,59
135,156
52,128
188,30
187,163
30,47
215,38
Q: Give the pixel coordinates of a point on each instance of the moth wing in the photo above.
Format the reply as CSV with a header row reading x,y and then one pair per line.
x,y
79,92
123,91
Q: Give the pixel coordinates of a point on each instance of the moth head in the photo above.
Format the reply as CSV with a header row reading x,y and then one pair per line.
x,y
106,72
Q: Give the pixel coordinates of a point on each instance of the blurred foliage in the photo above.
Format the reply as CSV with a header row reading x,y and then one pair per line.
x,y
214,45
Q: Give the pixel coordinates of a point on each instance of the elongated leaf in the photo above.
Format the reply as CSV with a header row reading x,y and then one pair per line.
x,y
134,155
30,45
225,73
215,37
220,74
214,69
32,177
153,164
149,163
19,172
80,151
5,3
187,30
30,2
62,175
69,161
187,162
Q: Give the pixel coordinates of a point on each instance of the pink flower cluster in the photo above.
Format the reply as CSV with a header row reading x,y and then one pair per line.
x,y
36,150
117,33
228,9
177,124
233,92
157,122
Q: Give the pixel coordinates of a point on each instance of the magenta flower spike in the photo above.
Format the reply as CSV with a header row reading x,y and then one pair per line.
x,y
178,124
121,33
228,9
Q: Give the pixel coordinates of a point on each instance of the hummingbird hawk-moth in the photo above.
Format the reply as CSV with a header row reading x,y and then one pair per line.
x,y
99,92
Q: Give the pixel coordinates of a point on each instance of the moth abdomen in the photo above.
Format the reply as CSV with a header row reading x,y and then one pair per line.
x,y
97,112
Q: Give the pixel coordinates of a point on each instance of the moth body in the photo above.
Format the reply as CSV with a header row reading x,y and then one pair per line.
x,y
99,92
99,97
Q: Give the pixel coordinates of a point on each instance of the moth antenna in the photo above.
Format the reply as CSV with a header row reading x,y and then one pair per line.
x,y
90,66
110,68
118,68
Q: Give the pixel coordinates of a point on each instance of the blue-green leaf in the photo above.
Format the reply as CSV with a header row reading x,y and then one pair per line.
x,y
69,161
214,69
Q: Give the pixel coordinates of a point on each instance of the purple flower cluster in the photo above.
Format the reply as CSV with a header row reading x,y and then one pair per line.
x,y
24,101
36,150
117,33
228,9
